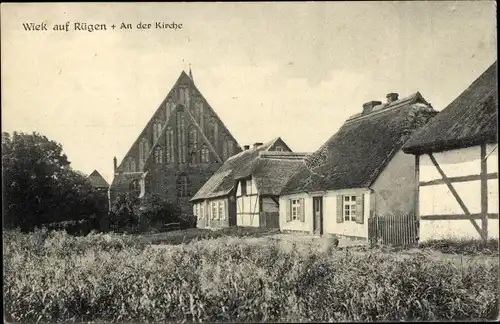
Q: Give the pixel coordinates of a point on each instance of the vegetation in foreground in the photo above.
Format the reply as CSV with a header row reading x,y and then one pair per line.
x,y
101,277
463,246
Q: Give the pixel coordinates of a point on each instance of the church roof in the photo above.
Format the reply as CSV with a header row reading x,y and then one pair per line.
x,y
270,170
97,180
359,151
469,120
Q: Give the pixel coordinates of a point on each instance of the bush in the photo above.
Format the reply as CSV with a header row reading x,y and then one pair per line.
x,y
463,246
102,277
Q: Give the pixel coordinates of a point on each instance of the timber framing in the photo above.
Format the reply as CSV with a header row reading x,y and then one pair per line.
x,y
483,230
457,217
489,176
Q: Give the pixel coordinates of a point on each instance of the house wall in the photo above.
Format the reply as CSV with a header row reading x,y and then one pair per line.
x,y
204,215
437,199
354,229
394,189
247,206
269,205
296,225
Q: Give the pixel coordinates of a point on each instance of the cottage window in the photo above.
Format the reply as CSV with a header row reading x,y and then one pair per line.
x,y
279,148
214,210
295,209
222,214
350,208
158,155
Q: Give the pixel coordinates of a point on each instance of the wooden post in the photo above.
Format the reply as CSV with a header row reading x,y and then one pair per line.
x,y
417,192
484,193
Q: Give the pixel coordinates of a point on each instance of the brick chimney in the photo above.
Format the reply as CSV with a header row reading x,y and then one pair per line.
x,y
391,97
246,147
368,106
257,144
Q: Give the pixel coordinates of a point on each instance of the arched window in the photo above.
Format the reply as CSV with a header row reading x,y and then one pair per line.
x,y
156,130
215,130
193,144
135,187
199,111
184,96
181,134
131,164
143,152
182,186
170,145
230,148
169,107
158,155
205,155
225,152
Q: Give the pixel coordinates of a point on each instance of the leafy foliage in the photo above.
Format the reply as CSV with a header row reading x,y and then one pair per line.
x,y
463,246
40,187
53,277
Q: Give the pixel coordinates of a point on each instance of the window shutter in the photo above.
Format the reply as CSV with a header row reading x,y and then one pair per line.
x,y
340,209
289,211
302,210
359,208
226,210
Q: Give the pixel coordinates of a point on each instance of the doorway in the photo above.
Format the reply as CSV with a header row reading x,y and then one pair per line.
x,y
318,215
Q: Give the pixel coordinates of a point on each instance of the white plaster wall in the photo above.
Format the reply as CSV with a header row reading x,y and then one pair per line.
x,y
454,163
296,225
330,224
438,200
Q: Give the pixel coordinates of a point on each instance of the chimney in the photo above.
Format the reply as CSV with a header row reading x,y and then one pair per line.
x,y
114,164
368,107
391,97
257,144
246,147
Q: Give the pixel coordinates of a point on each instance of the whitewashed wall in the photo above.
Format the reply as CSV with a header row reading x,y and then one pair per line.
x,y
296,225
438,200
330,224
246,205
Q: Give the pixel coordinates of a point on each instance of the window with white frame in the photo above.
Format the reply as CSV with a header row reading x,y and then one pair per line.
x,y
222,214
214,210
201,210
295,209
349,208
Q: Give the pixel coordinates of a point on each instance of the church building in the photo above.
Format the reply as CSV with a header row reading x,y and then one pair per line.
x,y
180,148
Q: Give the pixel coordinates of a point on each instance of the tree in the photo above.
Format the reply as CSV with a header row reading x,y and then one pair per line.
x,y
40,187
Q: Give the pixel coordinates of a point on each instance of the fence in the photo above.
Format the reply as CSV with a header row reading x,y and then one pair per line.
x,y
398,230
270,219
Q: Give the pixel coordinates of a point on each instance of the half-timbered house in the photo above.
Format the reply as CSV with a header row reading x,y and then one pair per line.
x,y
456,157
360,171
245,190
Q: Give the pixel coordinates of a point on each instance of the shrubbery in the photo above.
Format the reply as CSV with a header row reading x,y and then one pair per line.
x,y
55,277
463,246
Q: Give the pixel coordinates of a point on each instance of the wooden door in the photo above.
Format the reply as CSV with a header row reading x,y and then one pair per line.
x,y
318,215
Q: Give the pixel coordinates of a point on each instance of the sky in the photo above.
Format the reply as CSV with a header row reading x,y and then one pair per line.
x,y
296,70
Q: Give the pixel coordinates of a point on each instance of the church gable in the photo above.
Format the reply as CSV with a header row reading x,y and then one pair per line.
x,y
184,129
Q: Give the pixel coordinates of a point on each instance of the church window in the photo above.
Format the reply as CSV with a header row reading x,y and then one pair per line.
x,y
131,164
205,155
182,186
143,152
135,187
170,145
184,96
181,134
158,155
215,130
225,151
193,144
169,107
156,130
230,148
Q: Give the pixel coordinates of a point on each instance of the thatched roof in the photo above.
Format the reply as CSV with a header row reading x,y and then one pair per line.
x,y
471,119
97,180
270,171
355,155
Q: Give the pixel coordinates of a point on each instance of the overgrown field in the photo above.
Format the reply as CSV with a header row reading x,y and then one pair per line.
x,y
56,277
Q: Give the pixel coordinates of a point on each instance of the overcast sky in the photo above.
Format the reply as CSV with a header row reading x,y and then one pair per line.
x,y
295,70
